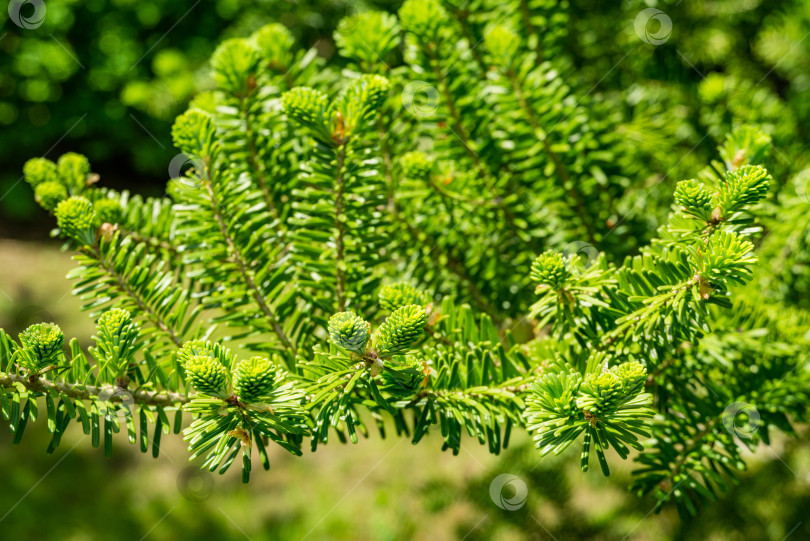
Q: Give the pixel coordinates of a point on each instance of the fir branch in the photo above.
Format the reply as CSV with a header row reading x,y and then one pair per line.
x,y
137,297
454,264
310,203
244,270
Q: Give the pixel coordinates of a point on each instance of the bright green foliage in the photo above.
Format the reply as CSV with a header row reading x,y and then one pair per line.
x,y
233,62
254,379
309,107
53,182
401,294
726,258
554,400
73,171
65,81
604,393
742,187
460,171
349,332
425,19
502,44
261,406
609,406
746,144
49,194
193,132
40,170
416,165
222,430
108,211
276,45
361,101
367,37
550,269
739,188
77,218
205,348
600,393
400,331
41,346
116,339
632,374
335,123
207,375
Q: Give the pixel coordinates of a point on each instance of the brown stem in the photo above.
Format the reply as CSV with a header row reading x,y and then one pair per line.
x,y
85,392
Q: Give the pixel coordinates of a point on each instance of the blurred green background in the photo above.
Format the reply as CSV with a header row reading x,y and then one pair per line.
x,y
107,77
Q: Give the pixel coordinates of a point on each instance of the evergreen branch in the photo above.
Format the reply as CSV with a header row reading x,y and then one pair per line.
x,y
303,206
106,259
154,242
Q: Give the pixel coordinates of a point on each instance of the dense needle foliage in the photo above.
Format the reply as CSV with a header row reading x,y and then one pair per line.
x,y
432,238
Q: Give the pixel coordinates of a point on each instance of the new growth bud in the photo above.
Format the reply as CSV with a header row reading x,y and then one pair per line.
x,y
76,218
41,346
349,331
400,331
